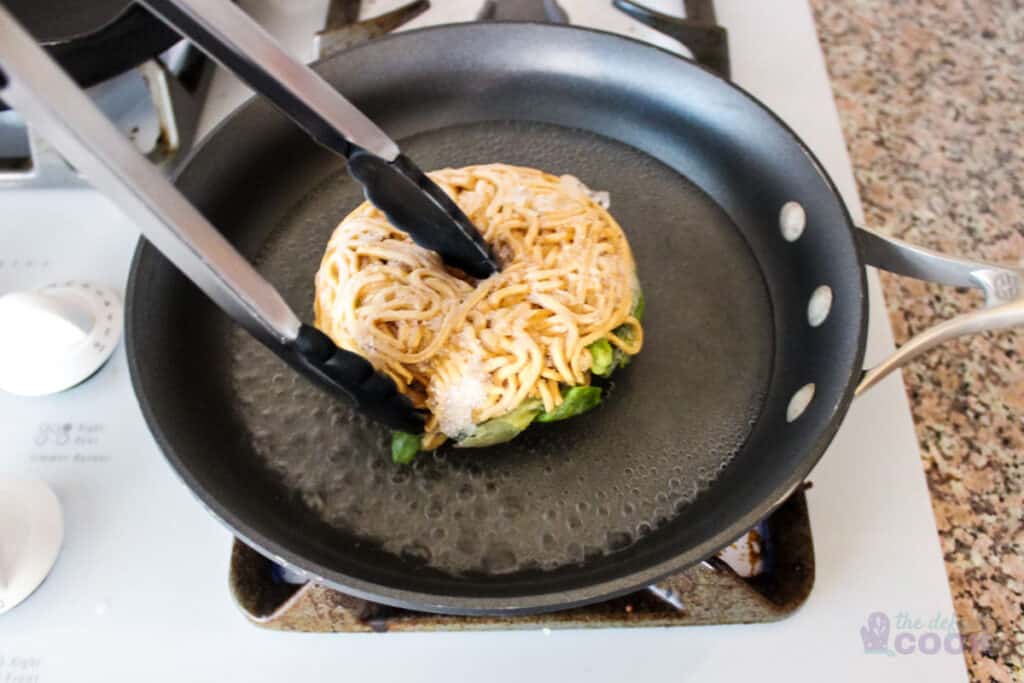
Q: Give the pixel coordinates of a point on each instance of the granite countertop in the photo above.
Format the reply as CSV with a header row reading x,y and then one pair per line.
x,y
931,97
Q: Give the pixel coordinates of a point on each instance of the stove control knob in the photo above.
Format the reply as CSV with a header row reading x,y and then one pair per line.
x,y
56,337
31,531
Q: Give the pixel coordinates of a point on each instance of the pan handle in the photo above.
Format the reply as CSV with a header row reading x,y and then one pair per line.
x,y
1003,287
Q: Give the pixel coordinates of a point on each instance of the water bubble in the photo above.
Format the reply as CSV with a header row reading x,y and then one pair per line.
x,y
618,540
467,542
434,509
499,559
575,552
511,507
414,552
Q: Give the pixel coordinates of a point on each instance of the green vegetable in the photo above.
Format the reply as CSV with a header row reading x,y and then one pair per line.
x,y
620,359
640,305
404,447
602,357
575,401
505,428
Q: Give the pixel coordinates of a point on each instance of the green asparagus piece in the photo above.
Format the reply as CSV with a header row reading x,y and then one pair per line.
x,y
575,401
501,429
404,447
603,357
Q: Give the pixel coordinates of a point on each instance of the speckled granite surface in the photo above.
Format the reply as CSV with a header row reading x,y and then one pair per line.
x,y
931,96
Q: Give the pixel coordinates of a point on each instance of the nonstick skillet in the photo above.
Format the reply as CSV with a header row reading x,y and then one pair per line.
x,y
755,331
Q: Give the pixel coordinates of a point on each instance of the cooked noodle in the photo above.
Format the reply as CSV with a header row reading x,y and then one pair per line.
x,y
472,350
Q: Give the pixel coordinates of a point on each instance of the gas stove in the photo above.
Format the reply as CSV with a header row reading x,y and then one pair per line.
x,y
156,105
140,582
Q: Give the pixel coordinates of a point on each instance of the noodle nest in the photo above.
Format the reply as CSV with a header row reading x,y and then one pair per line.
x,y
471,350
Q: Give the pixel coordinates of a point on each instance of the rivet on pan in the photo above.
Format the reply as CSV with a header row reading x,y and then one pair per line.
x,y
819,305
792,221
798,404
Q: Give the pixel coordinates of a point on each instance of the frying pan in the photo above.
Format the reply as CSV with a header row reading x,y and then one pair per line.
x,y
756,312
96,39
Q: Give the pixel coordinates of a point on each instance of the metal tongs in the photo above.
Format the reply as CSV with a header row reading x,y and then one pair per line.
x,y
52,103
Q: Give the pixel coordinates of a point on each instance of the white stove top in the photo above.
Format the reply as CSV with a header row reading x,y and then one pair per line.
x,y
140,588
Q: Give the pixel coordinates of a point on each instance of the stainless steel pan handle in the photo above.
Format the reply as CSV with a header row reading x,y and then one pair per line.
x,y
1003,287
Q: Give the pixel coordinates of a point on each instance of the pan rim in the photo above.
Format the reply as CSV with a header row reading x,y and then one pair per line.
x,y
519,603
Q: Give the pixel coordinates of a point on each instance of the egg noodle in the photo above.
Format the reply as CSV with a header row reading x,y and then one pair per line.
x,y
471,350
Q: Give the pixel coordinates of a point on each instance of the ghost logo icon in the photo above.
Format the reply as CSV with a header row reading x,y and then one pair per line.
x,y
875,635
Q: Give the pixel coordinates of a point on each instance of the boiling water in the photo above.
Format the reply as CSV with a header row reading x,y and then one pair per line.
x,y
559,493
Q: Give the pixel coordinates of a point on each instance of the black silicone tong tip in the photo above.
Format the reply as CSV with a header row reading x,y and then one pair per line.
x,y
374,393
415,204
